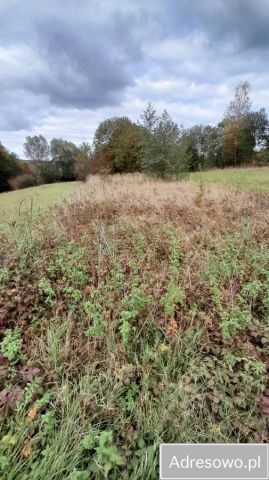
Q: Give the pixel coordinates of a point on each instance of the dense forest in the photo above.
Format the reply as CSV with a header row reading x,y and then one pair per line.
x,y
156,145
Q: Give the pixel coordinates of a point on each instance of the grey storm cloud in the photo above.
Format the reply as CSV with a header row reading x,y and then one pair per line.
x,y
100,54
67,54
241,22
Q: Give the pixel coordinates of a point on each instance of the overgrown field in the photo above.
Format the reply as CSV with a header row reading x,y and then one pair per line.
x,y
136,315
255,179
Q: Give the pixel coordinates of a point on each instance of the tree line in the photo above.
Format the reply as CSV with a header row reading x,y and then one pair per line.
x,y
156,145
59,161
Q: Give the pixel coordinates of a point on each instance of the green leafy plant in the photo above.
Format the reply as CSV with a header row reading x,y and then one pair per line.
x,y
132,394
234,321
69,262
125,328
96,329
4,462
133,305
79,475
107,454
45,285
4,275
172,297
11,344
94,311
174,293
73,294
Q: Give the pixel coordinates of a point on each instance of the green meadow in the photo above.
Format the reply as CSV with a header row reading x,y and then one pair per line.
x,y
31,201
256,179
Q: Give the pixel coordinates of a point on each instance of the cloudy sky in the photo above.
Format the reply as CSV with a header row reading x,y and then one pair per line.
x,y
67,64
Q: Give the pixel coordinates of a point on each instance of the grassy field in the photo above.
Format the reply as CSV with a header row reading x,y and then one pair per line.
x,y
31,201
136,315
256,179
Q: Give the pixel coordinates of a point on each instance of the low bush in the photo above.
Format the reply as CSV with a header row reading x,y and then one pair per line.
x,y
24,180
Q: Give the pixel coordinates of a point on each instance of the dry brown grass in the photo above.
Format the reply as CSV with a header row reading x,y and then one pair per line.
x,y
138,187
135,189
138,199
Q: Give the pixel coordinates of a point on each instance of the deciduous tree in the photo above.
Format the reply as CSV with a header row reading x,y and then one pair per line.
x,y
235,121
9,168
36,148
